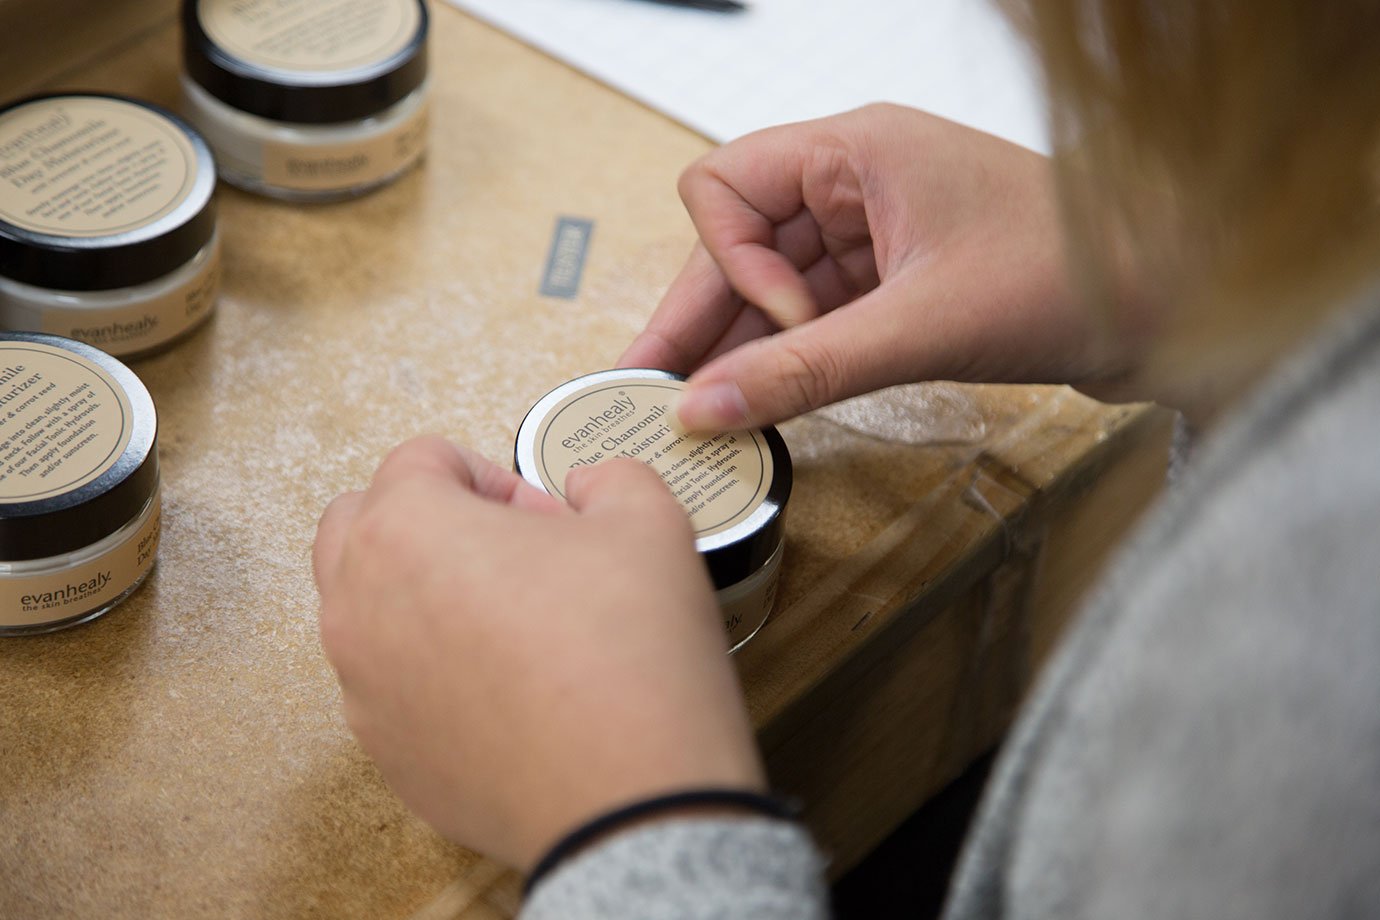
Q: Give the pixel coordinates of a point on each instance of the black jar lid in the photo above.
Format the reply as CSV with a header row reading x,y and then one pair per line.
x,y
112,192
625,412
90,479
278,88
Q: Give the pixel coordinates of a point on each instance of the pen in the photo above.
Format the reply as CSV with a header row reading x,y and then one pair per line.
x,y
715,6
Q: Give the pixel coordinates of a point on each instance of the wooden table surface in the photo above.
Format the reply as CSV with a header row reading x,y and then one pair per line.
x,y
186,755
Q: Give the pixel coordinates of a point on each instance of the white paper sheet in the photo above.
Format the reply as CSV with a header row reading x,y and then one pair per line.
x,y
725,74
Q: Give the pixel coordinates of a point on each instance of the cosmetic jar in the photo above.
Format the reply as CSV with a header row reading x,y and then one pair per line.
x,y
734,486
79,499
307,100
107,222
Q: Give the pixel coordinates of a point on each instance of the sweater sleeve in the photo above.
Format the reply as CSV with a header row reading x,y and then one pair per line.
x,y
688,869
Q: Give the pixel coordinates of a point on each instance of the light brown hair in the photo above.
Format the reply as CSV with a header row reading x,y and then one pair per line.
x,y
1233,146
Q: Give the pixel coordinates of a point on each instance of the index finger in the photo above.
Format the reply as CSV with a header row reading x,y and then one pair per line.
x,y
741,193
451,465
697,309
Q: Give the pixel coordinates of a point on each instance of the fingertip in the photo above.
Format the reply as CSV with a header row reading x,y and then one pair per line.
x,y
711,407
529,498
585,481
428,455
575,482
631,356
611,481
788,306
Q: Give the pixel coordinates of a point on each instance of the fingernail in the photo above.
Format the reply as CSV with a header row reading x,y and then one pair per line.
x,y
712,407
788,307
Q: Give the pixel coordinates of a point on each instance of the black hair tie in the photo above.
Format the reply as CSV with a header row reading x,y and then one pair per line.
x,y
757,802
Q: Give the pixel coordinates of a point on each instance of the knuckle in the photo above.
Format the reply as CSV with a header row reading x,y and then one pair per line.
x,y
412,447
410,452
809,376
372,531
378,532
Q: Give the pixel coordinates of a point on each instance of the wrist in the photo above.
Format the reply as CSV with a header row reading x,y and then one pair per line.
x,y
680,805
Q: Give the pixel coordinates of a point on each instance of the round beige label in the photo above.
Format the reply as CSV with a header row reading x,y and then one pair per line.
x,y
63,421
88,166
719,480
311,35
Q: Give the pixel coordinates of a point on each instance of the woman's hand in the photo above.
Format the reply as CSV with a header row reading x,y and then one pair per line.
x,y
515,665
890,246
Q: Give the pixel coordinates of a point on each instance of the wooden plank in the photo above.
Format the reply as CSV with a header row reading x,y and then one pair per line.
x,y
949,656
47,39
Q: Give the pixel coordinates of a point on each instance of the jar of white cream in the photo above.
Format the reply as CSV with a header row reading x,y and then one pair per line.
x,y
734,486
307,100
107,222
79,497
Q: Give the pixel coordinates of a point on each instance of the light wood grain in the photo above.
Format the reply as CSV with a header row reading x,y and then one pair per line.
x,y
924,643
45,39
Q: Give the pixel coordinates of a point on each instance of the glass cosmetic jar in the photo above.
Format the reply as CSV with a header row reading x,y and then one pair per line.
x,y
734,486
307,100
107,222
79,496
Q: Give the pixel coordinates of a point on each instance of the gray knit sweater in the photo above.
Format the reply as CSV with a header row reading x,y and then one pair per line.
x,y
1206,744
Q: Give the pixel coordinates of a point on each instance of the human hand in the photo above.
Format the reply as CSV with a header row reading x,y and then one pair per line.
x,y
890,246
515,665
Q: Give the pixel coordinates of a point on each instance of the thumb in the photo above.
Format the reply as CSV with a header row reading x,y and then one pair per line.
x,y
860,347
622,487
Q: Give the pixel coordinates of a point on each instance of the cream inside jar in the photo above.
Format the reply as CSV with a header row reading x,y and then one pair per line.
x,y
308,100
107,222
79,483
734,486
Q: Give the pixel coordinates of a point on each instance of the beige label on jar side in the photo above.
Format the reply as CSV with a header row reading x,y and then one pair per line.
x,y
720,480
136,328
63,421
81,166
746,613
37,599
311,35
342,166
